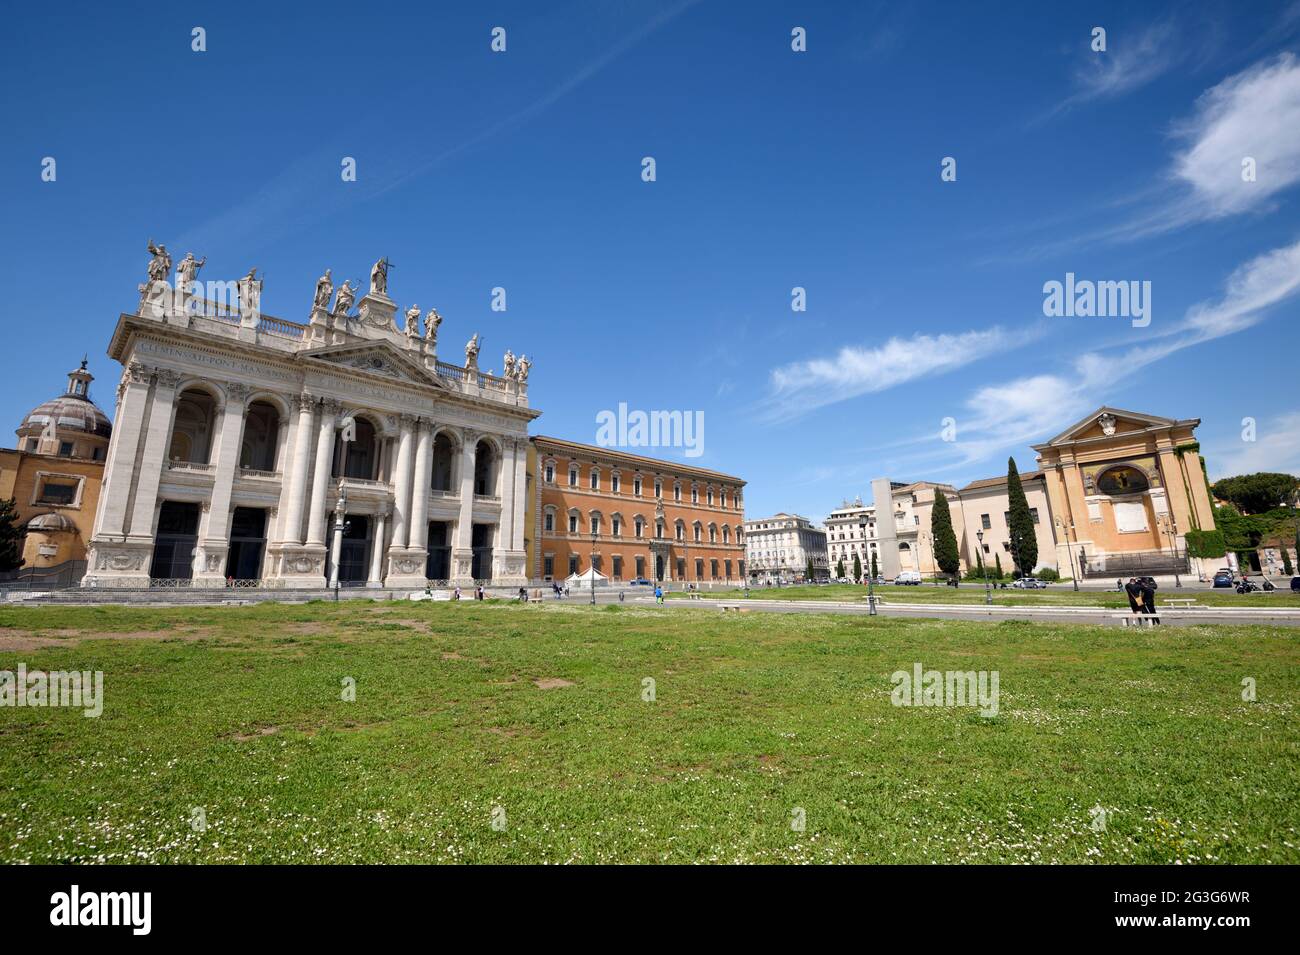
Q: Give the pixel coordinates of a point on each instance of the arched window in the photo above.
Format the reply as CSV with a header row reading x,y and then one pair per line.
x,y
362,453
485,468
444,456
192,431
261,431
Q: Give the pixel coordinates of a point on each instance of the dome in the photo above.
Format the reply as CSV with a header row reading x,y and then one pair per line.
x,y
50,524
71,420
66,413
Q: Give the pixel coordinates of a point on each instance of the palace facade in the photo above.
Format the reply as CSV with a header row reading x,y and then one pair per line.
x,y
781,548
629,516
248,449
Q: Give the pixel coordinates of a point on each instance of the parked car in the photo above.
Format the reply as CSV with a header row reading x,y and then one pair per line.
x,y
1029,583
639,582
1223,578
908,578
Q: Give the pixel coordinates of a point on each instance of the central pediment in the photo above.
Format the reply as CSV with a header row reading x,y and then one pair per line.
x,y
373,358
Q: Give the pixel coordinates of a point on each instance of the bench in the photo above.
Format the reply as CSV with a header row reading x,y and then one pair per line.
x,y
1184,602
1137,619
694,596
725,607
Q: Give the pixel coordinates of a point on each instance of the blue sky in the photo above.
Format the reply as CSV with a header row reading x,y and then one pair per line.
x,y
775,169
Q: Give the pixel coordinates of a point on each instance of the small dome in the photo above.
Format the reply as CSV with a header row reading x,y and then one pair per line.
x,y
70,412
50,523
66,413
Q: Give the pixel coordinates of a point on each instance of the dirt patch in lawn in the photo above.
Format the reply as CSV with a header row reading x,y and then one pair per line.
x,y
22,640
257,732
551,683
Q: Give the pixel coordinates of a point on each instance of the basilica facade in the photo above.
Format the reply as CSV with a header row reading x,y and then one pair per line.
x,y
255,451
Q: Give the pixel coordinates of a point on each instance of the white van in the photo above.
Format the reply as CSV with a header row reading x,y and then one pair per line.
x,y
908,577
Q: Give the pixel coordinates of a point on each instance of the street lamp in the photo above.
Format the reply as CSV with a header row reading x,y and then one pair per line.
x,y
340,525
592,568
871,580
1060,524
988,587
1170,527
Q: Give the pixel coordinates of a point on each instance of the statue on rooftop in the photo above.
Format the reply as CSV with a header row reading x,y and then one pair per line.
x,y
431,322
347,293
324,289
187,272
471,352
160,266
412,323
379,277
508,364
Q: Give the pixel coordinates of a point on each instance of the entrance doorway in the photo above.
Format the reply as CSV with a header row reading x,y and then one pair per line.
x,y
659,567
247,542
481,542
438,565
178,535
355,550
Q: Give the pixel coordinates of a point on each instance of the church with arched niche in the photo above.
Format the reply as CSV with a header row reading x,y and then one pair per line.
x,y
256,451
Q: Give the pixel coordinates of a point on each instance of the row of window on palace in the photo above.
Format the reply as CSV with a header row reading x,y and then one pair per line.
x,y
638,528
985,522
616,484
548,567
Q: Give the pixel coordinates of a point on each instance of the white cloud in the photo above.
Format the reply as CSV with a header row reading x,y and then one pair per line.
x,y
802,386
1254,114
1131,60
1276,448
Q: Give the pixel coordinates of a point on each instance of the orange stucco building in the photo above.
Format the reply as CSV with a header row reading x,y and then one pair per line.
x,y
650,518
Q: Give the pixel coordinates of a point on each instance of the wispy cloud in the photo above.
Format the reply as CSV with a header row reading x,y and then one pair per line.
x,y
803,386
1008,415
1276,448
1132,59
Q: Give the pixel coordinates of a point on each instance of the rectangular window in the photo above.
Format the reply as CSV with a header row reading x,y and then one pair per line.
x,y
985,522
573,566
573,523
636,486
713,569
32,444
699,568
616,526
548,566
638,527
618,567
710,497
573,477
727,564
65,449
695,495
659,489
595,480
640,565
595,526
549,522
57,492
677,492
550,474
614,483
1033,514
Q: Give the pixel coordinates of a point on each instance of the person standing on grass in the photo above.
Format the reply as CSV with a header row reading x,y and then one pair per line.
x,y
1134,595
1148,588
659,594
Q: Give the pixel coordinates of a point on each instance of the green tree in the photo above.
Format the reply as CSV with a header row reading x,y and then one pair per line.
x,y
839,569
11,536
808,574
1257,493
945,540
1286,558
857,569
1024,542
875,570
997,559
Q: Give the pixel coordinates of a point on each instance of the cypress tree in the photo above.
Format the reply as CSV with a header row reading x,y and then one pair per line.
x,y
1024,543
1286,558
11,536
808,574
998,560
839,569
857,569
875,571
945,540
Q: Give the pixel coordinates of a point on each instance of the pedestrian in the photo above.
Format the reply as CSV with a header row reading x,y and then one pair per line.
x,y
1119,584
479,593
1148,587
456,594
659,594
1134,595
620,596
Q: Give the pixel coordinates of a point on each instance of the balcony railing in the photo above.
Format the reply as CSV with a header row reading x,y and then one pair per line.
x,y
190,466
256,473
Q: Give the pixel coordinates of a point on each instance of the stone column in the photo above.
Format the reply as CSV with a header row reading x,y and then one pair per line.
x,y
320,503
119,469
215,544
402,484
294,479
376,576
521,493
154,459
419,530
462,550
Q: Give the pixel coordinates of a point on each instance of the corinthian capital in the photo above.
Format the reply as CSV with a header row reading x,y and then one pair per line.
x,y
168,378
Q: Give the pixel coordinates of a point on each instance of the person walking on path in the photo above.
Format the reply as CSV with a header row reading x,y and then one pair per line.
x,y
1148,589
1134,595
659,594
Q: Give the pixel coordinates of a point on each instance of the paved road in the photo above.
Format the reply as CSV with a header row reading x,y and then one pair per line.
x,y
1082,615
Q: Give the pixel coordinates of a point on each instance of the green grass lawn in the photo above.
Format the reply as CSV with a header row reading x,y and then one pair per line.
x,y
462,708
1057,595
